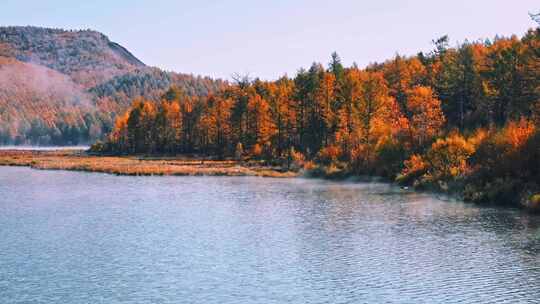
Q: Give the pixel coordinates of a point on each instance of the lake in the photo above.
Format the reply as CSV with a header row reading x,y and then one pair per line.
x,y
74,237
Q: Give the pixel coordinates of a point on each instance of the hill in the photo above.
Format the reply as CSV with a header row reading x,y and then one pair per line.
x,y
65,87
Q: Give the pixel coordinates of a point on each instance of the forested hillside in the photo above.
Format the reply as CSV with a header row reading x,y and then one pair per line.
x,y
66,87
459,118
88,57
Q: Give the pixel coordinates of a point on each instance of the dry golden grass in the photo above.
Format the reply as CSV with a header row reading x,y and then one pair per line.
x,y
131,165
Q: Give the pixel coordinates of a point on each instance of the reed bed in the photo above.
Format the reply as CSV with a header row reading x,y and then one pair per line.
x,y
137,165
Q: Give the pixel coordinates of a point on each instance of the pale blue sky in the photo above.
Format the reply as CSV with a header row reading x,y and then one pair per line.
x,y
270,38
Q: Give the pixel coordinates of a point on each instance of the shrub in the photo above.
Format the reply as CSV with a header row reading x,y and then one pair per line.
x,y
534,202
97,147
390,155
478,137
447,158
415,167
506,152
359,159
296,159
518,132
329,155
506,165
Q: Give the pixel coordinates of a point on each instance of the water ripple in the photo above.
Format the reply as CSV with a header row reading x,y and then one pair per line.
x,y
68,237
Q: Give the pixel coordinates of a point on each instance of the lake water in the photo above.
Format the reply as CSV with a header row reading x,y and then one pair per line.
x,y
69,237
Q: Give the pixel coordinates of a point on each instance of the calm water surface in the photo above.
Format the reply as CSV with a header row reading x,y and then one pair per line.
x,y
68,237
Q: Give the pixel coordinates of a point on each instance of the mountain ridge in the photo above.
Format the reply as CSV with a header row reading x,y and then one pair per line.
x,y
74,66
75,53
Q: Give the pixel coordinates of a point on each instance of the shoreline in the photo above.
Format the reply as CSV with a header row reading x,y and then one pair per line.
x,y
180,165
79,160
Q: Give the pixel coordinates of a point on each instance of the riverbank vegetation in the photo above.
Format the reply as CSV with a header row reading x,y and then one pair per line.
x,y
458,119
78,160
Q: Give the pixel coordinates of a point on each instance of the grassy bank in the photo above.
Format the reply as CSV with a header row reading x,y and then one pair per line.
x,y
137,165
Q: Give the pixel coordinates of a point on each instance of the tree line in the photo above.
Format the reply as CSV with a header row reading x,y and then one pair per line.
x,y
460,117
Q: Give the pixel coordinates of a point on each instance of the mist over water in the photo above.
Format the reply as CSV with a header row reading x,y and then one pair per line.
x,y
71,237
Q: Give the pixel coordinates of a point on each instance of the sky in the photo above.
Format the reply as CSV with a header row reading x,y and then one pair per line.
x,y
268,39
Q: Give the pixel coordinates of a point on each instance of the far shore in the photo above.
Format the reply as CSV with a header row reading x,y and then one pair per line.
x,y
79,160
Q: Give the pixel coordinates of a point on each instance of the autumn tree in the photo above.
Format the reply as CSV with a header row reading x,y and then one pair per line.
x,y
425,119
309,116
505,80
336,67
215,127
283,109
261,127
326,106
347,114
403,74
376,111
